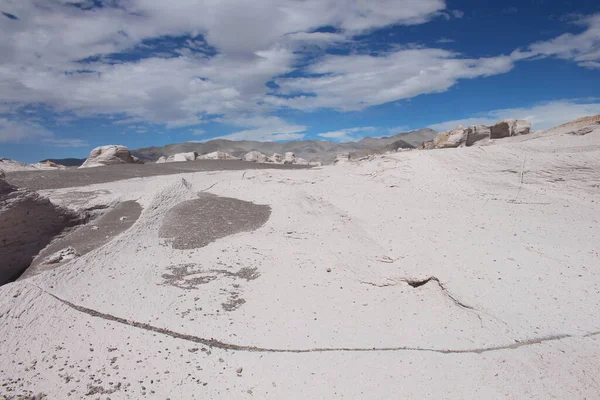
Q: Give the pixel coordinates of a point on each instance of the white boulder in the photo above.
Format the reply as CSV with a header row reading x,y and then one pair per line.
x,y
289,158
301,161
161,160
182,157
277,158
256,156
217,155
510,127
450,139
110,155
476,133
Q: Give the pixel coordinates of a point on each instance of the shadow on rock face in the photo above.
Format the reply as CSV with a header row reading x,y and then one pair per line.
x,y
196,223
88,237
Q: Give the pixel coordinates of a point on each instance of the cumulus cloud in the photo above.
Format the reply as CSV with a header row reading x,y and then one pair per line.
x,y
542,116
354,82
12,131
582,48
45,42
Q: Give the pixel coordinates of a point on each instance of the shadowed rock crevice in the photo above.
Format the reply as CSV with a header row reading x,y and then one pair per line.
x,y
86,238
196,223
28,223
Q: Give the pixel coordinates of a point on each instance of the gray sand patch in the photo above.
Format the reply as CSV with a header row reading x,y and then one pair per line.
x,y
196,223
88,237
73,177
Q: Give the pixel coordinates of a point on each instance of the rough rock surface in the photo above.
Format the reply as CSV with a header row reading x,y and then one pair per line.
x,y
110,155
256,156
476,133
289,158
451,139
28,222
161,160
62,255
182,157
217,155
277,158
510,127
459,136
8,165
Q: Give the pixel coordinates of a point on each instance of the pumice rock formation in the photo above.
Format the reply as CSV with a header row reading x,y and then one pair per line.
x,y
28,222
459,136
110,155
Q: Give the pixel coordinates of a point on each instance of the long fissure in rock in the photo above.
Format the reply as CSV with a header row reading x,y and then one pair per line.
x,y
235,347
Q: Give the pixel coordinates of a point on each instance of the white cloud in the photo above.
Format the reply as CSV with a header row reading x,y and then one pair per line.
x,y
29,132
265,129
40,51
13,131
349,134
582,48
355,82
542,116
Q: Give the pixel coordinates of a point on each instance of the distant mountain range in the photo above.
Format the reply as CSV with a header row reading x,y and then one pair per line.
x,y
311,150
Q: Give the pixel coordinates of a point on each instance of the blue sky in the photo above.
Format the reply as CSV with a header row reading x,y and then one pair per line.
x,y
78,74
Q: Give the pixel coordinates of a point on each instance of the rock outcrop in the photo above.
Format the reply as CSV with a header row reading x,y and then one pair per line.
x,y
460,136
110,155
289,158
28,222
182,157
256,156
450,139
476,133
161,160
217,155
510,127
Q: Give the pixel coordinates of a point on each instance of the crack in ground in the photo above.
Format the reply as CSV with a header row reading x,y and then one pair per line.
x,y
235,347
416,283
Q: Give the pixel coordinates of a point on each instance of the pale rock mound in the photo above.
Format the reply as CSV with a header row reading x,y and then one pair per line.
x,y
510,127
256,156
161,160
110,155
289,158
217,155
8,165
182,157
277,158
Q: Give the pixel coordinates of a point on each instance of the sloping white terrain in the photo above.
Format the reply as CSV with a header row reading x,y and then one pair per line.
x,y
458,273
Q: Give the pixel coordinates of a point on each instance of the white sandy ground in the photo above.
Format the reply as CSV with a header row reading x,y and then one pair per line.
x,y
509,234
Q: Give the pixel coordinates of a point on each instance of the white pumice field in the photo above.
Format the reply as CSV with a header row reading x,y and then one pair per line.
x,y
456,273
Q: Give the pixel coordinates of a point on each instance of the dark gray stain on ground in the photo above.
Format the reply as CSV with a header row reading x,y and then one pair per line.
x,y
191,276
196,223
88,237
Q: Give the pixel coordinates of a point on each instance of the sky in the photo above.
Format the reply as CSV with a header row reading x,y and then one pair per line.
x,y
77,74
